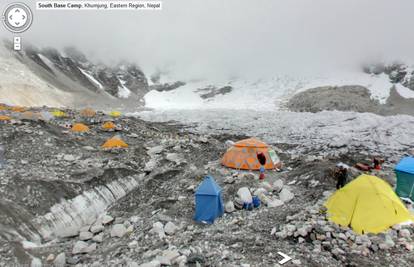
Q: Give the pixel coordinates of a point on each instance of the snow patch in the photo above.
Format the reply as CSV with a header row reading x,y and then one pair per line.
x,y
91,78
123,91
404,91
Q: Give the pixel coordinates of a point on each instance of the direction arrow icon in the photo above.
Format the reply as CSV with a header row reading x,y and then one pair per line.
x,y
285,259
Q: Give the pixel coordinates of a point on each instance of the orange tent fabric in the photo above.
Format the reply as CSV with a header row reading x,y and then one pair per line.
x,y
4,118
115,142
109,125
243,155
17,109
87,112
80,128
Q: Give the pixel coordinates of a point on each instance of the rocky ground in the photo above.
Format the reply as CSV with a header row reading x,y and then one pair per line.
x,y
66,201
349,98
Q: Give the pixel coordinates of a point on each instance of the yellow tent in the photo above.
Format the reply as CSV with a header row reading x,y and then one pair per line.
x,y
115,114
59,114
368,205
4,118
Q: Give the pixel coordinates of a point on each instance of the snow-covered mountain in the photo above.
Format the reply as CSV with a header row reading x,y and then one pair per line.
x,y
35,77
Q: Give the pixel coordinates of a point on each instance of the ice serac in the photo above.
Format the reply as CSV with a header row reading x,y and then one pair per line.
x,y
68,216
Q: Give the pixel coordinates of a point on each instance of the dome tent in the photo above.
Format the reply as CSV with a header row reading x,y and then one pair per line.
x,y
243,155
209,201
368,205
79,128
405,178
109,125
87,113
115,142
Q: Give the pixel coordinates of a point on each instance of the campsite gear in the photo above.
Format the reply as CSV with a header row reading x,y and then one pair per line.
x,y
87,112
341,175
248,206
256,201
368,205
243,155
362,167
30,116
209,201
79,128
377,163
262,175
115,142
108,126
405,178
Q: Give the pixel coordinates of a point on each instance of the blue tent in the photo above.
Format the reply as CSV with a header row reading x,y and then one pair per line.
x,y
405,178
209,202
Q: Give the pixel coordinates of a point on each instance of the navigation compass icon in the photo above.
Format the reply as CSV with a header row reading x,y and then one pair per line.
x,y
17,17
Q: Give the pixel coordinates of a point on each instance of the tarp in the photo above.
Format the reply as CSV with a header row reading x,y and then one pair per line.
x,y
368,205
405,178
243,155
209,202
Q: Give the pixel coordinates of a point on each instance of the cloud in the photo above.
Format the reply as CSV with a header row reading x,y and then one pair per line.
x,y
216,38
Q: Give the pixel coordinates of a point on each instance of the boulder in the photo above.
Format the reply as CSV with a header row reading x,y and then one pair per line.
x,y
273,203
85,236
60,260
170,228
154,263
96,228
285,195
229,207
83,247
158,228
106,219
278,185
167,257
98,238
405,233
118,230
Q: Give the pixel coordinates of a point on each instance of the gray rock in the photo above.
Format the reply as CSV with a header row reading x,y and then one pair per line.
x,y
98,238
158,228
69,158
36,262
96,228
154,263
285,195
118,230
106,219
60,260
85,236
80,247
168,257
229,207
170,228
405,233
278,185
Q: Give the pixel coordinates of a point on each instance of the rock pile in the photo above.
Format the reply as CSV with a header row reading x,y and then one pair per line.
x,y
310,227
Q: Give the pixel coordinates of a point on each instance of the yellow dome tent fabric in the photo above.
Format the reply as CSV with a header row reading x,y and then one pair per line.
x,y
109,125
59,114
115,142
243,155
87,112
80,128
368,205
115,114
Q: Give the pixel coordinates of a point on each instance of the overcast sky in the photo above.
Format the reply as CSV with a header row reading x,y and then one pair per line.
x,y
236,37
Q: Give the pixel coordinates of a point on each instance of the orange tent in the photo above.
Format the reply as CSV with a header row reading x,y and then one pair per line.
x,y
80,128
17,109
243,155
109,125
115,142
4,118
87,112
